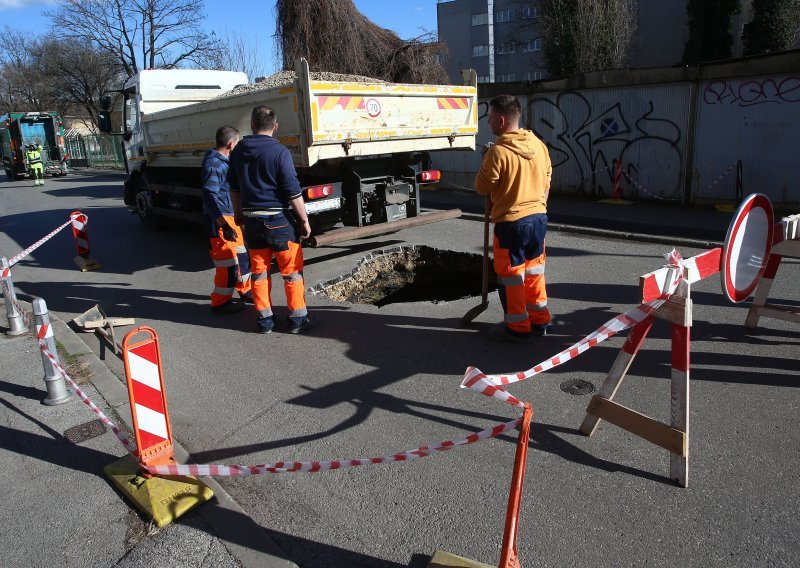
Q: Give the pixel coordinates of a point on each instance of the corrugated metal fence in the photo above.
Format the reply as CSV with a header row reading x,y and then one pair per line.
x,y
95,151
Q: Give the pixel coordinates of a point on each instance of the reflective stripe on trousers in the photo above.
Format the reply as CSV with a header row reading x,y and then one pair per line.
x,y
229,262
522,290
290,264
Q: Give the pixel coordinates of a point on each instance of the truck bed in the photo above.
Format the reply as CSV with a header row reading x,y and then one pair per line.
x,y
322,120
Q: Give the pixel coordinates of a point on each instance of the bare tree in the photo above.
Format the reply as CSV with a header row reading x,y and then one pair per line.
x,y
79,73
138,33
234,54
334,36
586,35
23,82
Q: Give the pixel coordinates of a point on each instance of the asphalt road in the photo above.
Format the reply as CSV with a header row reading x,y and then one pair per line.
x,y
374,381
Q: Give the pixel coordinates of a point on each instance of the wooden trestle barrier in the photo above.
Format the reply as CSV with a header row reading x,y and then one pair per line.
x,y
677,310
785,242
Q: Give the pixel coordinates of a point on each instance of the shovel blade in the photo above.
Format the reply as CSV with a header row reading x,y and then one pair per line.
x,y
474,312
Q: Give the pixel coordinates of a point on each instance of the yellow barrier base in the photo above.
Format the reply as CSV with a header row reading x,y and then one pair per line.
x,y
163,499
87,263
442,559
616,201
725,207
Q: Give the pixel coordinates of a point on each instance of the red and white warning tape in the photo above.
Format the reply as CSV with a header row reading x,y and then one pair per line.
x,y
721,176
37,244
316,466
490,385
279,467
130,446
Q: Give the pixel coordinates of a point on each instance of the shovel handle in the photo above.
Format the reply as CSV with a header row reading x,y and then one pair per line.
x,y
485,274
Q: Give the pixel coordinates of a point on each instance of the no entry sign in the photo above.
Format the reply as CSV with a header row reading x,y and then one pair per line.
x,y
747,247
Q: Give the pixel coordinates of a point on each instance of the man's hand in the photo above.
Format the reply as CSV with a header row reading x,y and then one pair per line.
x,y
305,229
229,233
485,148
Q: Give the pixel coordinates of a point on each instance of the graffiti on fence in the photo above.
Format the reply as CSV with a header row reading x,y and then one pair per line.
x,y
587,137
753,92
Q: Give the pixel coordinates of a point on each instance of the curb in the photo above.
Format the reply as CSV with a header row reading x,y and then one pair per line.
x,y
247,541
622,235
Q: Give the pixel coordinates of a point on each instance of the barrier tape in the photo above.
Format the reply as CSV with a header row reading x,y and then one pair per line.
x,y
130,446
37,244
490,385
721,176
317,466
26,317
221,470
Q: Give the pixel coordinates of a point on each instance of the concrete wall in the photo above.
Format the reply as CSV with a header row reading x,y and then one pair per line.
x,y
678,131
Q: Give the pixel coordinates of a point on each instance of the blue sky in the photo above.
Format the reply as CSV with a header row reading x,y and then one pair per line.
x,y
408,19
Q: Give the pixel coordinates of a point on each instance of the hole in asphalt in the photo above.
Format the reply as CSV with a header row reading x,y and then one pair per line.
x,y
409,274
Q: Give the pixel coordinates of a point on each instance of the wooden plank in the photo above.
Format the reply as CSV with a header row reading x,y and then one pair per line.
x,y
639,424
779,312
677,310
679,402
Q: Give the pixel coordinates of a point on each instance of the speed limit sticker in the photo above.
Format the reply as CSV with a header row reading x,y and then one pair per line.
x,y
373,107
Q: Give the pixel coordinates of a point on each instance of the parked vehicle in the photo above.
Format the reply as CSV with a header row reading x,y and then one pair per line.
x,y
19,129
360,149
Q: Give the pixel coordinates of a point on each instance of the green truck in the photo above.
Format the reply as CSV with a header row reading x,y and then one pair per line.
x,y
19,129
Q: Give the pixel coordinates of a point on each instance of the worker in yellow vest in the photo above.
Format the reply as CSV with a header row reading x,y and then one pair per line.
x,y
33,157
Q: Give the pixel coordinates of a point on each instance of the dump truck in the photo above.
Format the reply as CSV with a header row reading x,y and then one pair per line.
x,y
19,129
361,149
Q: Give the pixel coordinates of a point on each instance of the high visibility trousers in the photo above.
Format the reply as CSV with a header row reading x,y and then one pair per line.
x,y
231,265
37,174
290,265
519,262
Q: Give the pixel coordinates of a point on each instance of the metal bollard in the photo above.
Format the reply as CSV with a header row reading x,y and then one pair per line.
x,y
57,391
16,325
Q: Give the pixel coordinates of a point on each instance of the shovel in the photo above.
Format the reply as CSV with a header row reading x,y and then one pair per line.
x,y
480,308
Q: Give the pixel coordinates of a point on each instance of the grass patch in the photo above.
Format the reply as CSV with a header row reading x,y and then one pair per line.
x,y
78,369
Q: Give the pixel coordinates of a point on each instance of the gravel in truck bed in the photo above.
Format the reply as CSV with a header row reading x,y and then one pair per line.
x,y
283,78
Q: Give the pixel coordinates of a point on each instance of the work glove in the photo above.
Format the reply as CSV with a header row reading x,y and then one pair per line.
x,y
229,233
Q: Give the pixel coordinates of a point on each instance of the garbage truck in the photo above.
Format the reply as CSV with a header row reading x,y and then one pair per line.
x,y
45,129
360,147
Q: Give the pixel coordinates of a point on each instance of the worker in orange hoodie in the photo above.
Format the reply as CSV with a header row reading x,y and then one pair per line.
x,y
515,177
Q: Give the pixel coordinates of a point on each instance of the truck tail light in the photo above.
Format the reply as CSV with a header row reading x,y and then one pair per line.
x,y
318,191
430,176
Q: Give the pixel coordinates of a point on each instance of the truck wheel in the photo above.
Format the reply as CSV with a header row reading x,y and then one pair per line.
x,y
144,208
10,175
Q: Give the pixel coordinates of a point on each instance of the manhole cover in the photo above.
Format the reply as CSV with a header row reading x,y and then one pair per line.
x,y
83,432
409,274
577,387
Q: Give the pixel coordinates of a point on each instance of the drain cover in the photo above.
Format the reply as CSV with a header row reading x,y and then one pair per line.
x,y
83,432
577,387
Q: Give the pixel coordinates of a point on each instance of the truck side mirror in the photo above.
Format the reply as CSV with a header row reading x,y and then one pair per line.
x,y
104,121
105,102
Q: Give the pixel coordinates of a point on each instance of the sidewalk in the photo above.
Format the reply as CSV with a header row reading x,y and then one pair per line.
x,y
643,220
59,508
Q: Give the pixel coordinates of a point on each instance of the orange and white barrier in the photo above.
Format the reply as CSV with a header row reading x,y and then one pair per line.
x,y
84,261
147,398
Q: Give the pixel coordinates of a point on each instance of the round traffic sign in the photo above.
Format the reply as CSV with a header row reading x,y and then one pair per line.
x,y
747,247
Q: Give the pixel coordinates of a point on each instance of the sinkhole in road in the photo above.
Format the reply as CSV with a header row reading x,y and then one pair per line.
x,y
409,274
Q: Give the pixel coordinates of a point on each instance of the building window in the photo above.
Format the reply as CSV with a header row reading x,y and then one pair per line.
x,y
503,16
533,76
530,12
533,45
480,19
507,78
504,48
480,50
